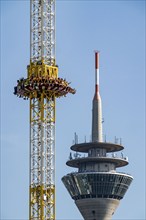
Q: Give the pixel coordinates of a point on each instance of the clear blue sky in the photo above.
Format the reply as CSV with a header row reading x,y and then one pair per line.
x,y
117,29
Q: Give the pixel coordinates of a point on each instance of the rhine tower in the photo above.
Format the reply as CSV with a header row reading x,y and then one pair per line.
x,y
97,187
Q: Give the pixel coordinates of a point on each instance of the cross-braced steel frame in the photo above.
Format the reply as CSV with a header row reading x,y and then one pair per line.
x,y
42,34
42,161
42,86
42,114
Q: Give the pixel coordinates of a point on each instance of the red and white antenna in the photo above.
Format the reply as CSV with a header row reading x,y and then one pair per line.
x,y
96,71
97,106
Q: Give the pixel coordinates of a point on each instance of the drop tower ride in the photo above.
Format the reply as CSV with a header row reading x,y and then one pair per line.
x,y
97,187
42,86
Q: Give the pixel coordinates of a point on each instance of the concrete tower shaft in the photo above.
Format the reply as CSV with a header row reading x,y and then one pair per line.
x,y
97,208
97,106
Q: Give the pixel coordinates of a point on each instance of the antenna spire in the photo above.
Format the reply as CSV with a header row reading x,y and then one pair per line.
x,y
97,106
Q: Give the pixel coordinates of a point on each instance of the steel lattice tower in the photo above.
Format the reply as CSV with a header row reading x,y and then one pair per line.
x,y
42,86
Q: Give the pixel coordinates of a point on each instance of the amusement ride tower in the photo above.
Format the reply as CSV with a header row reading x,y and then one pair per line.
x,y
97,187
42,86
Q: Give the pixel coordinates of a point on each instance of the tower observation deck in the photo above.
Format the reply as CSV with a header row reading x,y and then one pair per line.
x,y
97,187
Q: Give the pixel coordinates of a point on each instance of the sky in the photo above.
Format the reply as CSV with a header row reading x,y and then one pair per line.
x,y
117,29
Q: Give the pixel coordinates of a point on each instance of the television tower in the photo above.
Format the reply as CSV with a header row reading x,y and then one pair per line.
x,y
97,187
42,86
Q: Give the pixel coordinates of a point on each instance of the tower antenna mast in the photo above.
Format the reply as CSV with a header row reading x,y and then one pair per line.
x,y
42,86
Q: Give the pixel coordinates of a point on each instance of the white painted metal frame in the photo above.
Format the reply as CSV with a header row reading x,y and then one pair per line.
x,y
42,36
42,114
42,155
